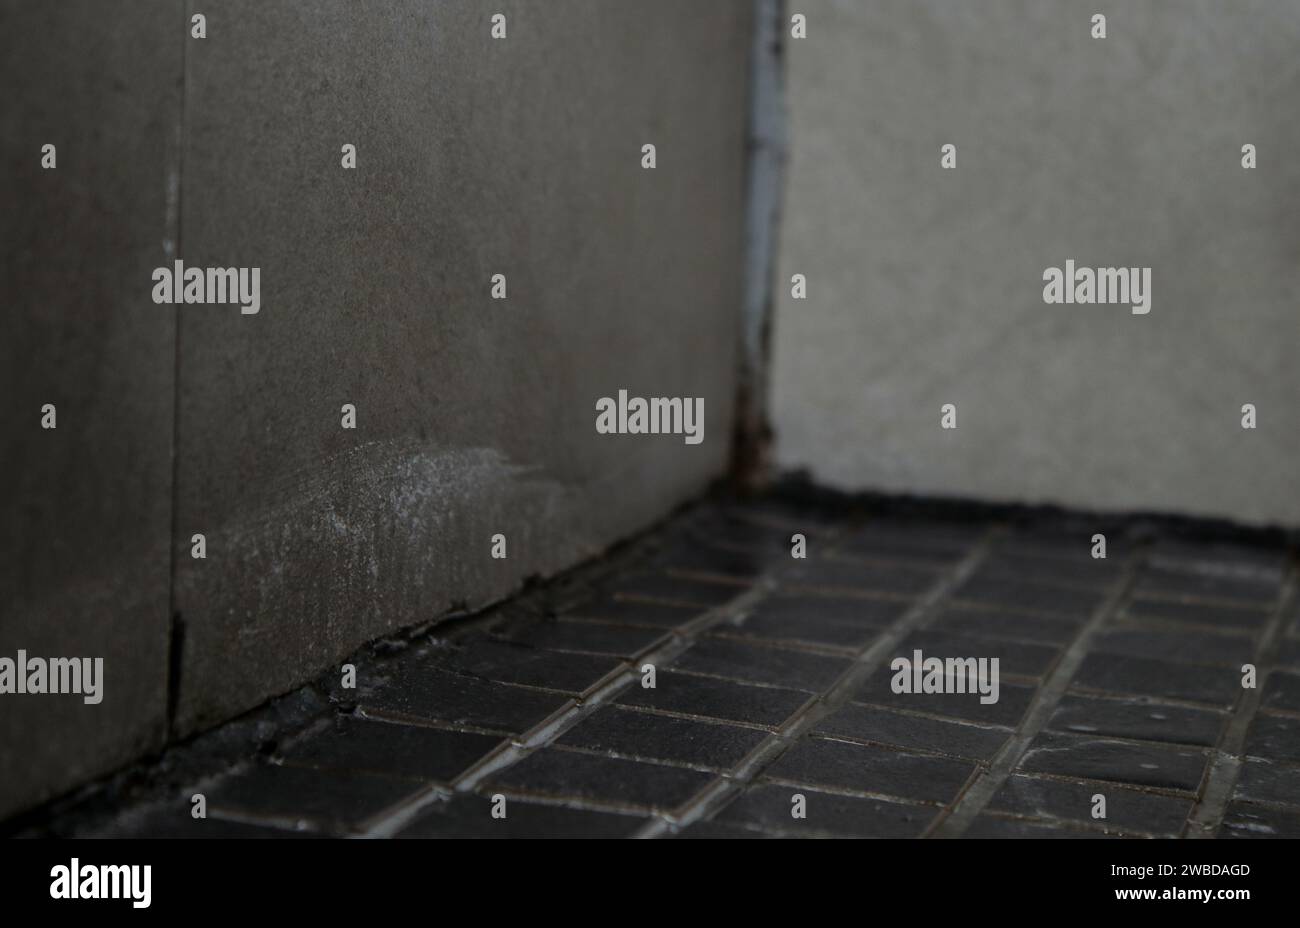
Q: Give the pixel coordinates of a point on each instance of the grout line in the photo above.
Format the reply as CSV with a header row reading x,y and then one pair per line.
x,y
865,741
930,715
1069,734
1167,792
1066,619
1130,622
579,803
741,681
705,803
694,717
1175,598
1280,805
977,794
1169,702
1098,826
1225,767
848,792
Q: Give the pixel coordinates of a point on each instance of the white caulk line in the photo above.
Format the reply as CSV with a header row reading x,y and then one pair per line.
x,y
1225,765
987,781
717,793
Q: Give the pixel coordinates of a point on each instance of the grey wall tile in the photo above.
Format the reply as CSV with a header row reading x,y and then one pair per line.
x,y
85,508
925,285
475,157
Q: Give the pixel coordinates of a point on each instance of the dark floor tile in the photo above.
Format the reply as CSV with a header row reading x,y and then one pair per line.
x,y
621,641
811,630
1126,809
1246,820
816,762
480,656
829,573
1274,737
1068,543
1016,658
881,726
793,514
858,611
768,555
662,587
985,623
423,692
469,816
1156,765
635,612
942,542
648,736
1176,645
1011,594
390,749
574,775
758,664
694,557
718,699
1266,564
1052,571
996,826
1198,612
1282,691
331,800
1162,581
744,534
175,821
719,830
1013,701
770,806
1288,654
1137,719
755,520
1114,673
1266,781
887,550
1228,618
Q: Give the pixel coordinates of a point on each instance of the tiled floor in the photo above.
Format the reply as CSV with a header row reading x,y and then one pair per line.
x,y
771,711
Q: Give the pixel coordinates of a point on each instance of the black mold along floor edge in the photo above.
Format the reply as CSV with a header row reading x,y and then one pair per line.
x,y
179,764
798,489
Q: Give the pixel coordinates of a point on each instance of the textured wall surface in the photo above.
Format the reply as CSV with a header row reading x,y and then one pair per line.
x,y
475,157
474,417
85,507
925,285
